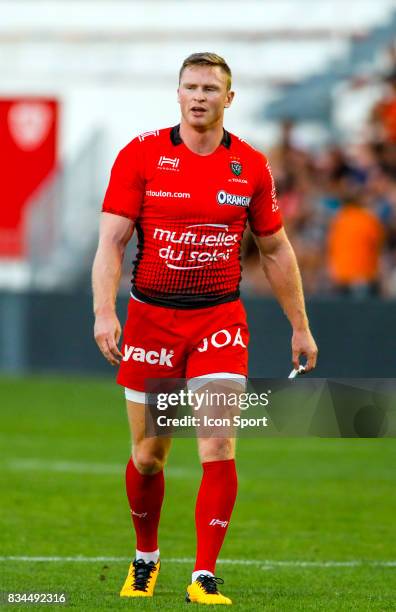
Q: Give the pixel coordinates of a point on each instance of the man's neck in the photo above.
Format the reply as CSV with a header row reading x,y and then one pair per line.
x,y
202,143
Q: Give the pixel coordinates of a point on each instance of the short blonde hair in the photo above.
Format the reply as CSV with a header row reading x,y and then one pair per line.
x,y
207,59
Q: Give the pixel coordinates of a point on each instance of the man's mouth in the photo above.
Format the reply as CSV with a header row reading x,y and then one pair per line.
x,y
198,109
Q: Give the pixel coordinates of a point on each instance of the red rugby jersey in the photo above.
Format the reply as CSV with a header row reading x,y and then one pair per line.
x,y
190,213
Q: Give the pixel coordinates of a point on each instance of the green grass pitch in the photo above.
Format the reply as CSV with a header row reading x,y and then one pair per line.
x,y
315,518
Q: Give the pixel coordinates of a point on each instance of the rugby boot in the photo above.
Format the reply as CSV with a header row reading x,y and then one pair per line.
x,y
141,579
204,591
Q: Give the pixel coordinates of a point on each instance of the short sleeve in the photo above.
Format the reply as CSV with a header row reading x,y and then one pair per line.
x,y
264,213
125,191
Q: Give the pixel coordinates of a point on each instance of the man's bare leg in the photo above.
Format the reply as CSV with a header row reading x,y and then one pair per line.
x,y
218,489
149,454
145,490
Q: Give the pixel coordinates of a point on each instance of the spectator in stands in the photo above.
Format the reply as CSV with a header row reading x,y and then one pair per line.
x,y
384,113
381,195
343,197
383,127
354,245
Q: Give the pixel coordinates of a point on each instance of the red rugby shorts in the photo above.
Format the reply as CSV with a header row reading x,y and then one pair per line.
x,y
163,342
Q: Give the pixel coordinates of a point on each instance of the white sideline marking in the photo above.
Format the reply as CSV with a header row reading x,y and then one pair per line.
x,y
263,564
65,466
79,467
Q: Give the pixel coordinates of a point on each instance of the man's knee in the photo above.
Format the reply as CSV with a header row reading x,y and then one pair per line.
x,y
216,449
148,460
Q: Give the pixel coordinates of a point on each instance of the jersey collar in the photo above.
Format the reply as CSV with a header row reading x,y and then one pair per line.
x,y
176,138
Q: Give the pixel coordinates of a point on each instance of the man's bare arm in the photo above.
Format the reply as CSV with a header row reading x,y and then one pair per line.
x,y
280,266
114,234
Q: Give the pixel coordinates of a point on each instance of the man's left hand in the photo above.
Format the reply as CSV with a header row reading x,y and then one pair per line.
x,y
304,345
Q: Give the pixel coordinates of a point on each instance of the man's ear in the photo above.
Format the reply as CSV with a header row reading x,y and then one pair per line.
x,y
229,99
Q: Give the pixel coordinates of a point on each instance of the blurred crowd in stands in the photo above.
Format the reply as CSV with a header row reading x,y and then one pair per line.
x,y
339,209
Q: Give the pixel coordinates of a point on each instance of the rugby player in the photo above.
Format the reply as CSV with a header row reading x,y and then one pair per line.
x,y
189,191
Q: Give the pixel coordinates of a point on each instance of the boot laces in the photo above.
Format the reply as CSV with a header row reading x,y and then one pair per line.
x,y
143,573
209,583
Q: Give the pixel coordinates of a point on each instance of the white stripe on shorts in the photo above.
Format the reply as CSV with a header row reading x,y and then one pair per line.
x,y
135,396
195,383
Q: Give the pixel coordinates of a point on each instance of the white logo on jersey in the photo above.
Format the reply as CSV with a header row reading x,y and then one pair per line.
x,y
232,199
218,246
167,194
221,338
164,358
173,162
146,134
275,206
214,522
237,180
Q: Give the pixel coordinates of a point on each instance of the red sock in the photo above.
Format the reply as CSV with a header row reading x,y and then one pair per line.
x,y
215,501
145,494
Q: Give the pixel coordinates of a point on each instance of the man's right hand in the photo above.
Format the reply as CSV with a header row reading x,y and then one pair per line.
x,y
107,332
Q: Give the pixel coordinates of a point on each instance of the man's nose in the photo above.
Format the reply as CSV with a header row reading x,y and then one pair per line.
x,y
199,95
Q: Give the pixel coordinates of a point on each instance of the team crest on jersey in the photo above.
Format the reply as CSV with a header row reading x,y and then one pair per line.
x,y
236,167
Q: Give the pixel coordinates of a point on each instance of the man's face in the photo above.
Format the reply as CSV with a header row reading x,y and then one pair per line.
x,y
203,95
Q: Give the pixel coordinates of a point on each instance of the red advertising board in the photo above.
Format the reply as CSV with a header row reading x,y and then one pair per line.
x,y
28,155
